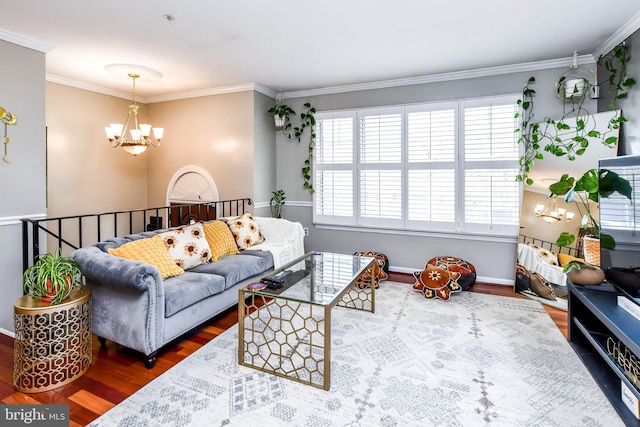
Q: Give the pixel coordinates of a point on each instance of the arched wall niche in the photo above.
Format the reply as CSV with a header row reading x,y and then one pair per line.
x,y
192,184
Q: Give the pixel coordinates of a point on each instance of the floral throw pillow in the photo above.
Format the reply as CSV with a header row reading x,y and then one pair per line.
x,y
187,245
545,254
246,231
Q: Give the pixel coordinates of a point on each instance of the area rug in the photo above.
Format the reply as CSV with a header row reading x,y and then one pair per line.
x,y
475,360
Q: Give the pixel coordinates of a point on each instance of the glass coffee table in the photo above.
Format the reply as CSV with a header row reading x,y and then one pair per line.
x,y
285,328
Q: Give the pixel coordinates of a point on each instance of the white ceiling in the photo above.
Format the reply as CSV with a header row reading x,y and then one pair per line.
x,y
288,45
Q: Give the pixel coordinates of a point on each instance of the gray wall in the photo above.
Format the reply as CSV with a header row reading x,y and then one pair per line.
x,y
264,146
494,258
630,139
22,181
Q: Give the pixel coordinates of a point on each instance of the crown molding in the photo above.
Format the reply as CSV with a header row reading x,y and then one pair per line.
x,y
434,78
92,88
21,40
214,91
384,84
619,36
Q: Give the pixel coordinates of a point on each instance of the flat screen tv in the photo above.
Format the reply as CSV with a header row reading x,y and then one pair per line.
x,y
620,218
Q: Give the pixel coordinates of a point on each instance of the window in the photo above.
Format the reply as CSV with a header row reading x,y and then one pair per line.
x,y
446,166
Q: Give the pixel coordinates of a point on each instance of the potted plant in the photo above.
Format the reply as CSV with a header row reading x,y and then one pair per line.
x,y
52,277
281,116
581,273
276,203
592,185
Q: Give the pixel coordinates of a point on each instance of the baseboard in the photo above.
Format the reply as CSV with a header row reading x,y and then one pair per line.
x,y
8,333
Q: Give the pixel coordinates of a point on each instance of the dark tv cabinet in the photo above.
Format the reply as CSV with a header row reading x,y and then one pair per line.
x,y
594,316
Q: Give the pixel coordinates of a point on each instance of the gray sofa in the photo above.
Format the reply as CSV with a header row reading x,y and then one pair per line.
x,y
134,307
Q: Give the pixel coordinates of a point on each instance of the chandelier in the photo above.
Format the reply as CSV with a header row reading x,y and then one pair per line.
x,y
140,133
552,213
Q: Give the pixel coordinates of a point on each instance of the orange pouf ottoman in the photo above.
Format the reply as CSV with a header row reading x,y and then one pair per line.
x,y
466,270
382,270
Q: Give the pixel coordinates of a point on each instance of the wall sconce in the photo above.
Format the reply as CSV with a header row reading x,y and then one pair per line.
x,y
8,119
552,213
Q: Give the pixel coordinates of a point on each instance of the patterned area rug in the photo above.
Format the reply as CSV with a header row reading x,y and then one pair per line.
x,y
475,360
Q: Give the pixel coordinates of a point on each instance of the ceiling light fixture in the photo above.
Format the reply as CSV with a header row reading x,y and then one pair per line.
x,y
552,213
140,133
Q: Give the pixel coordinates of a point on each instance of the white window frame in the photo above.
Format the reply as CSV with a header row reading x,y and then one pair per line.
x,y
457,226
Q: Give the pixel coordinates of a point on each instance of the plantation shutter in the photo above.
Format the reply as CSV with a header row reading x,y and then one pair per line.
x,y
380,166
334,169
442,166
491,193
431,177
619,217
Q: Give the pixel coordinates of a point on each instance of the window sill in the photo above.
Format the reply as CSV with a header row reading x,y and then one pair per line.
x,y
422,233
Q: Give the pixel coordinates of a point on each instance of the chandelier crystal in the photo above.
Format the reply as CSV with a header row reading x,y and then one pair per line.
x,y
140,137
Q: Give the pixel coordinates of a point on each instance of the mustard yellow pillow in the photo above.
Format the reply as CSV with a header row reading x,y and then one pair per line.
x,y
565,259
151,251
221,241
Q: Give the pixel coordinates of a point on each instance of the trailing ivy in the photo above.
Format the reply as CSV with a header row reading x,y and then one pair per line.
x,y
307,121
561,139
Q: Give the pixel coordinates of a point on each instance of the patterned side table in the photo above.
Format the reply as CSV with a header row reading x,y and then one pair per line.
x,y
52,344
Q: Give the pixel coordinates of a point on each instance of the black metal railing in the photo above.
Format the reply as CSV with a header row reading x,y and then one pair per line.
x,y
551,246
73,232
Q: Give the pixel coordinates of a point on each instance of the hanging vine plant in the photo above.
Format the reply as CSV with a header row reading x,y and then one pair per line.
x,y
561,139
307,121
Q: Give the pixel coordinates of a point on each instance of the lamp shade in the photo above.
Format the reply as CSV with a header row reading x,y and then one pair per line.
x,y
145,129
135,149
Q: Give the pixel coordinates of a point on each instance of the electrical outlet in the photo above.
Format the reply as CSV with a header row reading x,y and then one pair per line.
x,y
306,231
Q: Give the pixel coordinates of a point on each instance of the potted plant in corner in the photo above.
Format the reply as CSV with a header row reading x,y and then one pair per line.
x,y
52,277
592,185
281,115
276,203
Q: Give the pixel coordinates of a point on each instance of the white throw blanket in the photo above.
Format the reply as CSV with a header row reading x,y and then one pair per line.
x,y
283,238
529,258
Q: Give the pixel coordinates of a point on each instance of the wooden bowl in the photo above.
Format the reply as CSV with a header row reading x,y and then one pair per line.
x,y
586,275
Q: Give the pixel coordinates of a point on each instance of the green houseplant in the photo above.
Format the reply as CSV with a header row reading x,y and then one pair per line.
x,y
282,115
556,137
52,277
276,203
592,185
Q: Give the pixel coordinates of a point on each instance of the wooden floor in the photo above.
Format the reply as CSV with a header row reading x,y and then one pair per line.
x,y
116,372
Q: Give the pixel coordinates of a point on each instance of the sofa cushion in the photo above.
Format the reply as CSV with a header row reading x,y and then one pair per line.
x,y
150,251
220,239
266,255
190,288
246,231
187,245
234,268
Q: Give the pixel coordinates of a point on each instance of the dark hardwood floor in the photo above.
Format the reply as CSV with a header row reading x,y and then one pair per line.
x,y
116,372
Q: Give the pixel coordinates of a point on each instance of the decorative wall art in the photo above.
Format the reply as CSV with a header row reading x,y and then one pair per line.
x,y
7,118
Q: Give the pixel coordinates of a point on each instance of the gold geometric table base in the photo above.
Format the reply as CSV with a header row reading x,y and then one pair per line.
x,y
52,344
289,338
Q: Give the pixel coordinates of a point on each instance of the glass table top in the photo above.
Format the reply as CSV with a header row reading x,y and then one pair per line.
x,y
317,278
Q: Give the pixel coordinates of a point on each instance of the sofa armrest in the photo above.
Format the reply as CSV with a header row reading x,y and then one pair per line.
x,y
127,299
111,270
